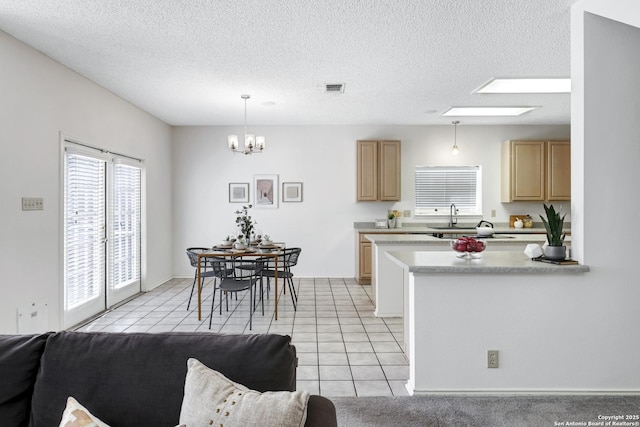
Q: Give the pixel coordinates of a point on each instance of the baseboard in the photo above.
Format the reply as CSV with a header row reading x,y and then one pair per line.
x,y
526,392
382,314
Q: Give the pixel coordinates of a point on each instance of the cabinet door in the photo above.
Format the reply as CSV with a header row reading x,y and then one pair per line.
x,y
558,170
390,170
367,180
365,262
527,170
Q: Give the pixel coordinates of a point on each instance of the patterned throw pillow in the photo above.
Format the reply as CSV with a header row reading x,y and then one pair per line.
x,y
76,415
210,398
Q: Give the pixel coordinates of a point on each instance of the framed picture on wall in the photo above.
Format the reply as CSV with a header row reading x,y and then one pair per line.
x,y
265,191
238,192
291,191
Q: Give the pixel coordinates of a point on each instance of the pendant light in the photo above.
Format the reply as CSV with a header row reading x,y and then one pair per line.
x,y
455,150
252,143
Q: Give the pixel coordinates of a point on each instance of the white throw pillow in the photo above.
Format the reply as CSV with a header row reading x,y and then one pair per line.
x,y
210,398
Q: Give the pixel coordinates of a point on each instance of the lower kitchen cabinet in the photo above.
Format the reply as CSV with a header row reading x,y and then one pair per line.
x,y
364,269
364,258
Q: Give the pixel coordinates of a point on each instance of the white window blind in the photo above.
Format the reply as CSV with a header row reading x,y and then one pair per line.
x,y
84,214
437,187
125,240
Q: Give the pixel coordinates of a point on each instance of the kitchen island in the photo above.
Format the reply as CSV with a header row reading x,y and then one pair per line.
x,y
458,309
387,277
364,248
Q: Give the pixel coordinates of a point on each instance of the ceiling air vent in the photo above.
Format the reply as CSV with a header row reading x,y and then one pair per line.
x,y
334,88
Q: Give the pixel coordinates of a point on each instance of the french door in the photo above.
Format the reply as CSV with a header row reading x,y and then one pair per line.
x,y
102,231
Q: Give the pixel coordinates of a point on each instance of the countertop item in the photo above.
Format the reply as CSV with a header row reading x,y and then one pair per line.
x,y
504,262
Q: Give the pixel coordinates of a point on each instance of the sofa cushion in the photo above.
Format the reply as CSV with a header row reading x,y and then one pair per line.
x,y
19,362
138,379
212,399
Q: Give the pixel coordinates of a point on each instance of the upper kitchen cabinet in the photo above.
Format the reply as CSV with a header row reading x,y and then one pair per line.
x,y
536,171
378,170
558,170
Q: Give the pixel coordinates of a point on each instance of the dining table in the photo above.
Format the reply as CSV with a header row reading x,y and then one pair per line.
x,y
229,252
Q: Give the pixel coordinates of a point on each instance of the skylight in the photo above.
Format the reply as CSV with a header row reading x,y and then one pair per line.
x,y
487,111
556,85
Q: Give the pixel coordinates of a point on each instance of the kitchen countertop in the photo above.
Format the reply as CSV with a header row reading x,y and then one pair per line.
x,y
505,262
424,229
403,239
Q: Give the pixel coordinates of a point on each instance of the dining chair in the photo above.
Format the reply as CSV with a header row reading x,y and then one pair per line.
x,y
287,259
206,270
238,275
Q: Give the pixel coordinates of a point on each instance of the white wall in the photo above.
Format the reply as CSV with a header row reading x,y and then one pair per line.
x,y
41,98
605,135
554,333
324,159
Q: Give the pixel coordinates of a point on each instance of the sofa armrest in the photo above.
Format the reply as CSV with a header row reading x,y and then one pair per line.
x,y
19,363
320,412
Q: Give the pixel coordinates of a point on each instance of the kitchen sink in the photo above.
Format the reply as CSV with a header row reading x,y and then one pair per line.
x,y
455,235
446,227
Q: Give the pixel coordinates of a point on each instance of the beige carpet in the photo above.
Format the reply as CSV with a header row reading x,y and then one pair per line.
x,y
486,411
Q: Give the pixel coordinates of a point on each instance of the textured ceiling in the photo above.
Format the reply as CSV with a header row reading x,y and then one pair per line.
x,y
403,61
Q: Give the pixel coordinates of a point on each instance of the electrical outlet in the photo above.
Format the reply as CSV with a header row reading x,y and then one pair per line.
x,y
493,213
406,213
492,359
32,203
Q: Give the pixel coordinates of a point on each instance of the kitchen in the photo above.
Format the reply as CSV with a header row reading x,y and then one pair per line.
x,y
409,265
475,149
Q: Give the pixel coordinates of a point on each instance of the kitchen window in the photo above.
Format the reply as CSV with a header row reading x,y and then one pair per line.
x,y
438,187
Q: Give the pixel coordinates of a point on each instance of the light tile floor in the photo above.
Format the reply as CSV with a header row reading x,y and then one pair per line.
x,y
343,349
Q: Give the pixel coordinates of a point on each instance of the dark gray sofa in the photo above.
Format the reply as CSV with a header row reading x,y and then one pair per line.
x,y
135,379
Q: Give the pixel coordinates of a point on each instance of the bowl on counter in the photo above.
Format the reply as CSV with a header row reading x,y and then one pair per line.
x,y
468,247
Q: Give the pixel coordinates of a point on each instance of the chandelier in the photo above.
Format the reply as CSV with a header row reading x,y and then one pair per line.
x,y
252,143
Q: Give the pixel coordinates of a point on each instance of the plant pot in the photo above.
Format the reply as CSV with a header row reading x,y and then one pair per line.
x,y
391,223
555,252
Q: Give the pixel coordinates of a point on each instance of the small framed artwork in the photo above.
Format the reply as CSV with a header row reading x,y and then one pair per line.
x,y
265,191
238,192
291,191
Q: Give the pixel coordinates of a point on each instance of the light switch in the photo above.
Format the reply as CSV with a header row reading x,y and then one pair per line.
x,y
32,203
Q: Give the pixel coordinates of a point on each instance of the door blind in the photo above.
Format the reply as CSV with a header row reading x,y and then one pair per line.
x,y
125,240
84,213
437,187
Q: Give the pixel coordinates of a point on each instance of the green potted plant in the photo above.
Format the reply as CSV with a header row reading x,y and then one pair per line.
x,y
245,222
553,224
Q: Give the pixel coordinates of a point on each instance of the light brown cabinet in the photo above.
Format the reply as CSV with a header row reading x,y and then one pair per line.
x,y
558,170
378,170
364,266
536,171
364,252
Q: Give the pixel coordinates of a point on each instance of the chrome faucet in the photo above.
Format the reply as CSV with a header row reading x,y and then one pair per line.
x,y
453,211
